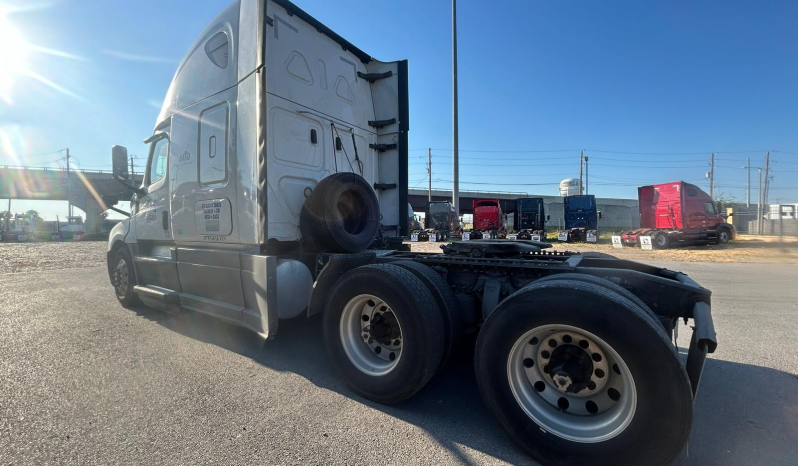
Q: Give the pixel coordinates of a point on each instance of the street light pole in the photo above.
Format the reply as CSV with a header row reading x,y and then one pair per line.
x,y
748,183
759,209
69,186
455,139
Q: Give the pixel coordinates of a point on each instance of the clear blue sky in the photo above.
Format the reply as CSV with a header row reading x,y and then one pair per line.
x,y
660,85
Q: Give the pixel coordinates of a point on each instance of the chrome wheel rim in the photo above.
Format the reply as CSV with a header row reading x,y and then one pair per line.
x,y
122,277
371,335
548,374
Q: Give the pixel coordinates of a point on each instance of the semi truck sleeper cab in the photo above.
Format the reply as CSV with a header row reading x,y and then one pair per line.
x,y
276,186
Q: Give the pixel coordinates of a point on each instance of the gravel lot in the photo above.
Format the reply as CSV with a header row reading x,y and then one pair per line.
x,y
753,249
26,257
84,381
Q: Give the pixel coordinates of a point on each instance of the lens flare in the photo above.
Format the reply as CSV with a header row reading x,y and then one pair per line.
x,y
14,52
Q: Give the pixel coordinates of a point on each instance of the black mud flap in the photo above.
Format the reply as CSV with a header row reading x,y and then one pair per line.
x,y
703,342
337,265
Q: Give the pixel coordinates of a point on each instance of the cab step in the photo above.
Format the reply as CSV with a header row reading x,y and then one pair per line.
x,y
164,295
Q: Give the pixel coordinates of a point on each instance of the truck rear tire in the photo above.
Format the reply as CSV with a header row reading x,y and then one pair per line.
x,y
661,240
605,284
123,277
384,332
341,215
447,303
583,384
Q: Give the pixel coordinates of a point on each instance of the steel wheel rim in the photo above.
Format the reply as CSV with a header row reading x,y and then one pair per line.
x,y
661,240
614,396
363,341
122,277
724,236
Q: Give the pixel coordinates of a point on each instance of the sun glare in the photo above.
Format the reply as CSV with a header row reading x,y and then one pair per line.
x,y
14,56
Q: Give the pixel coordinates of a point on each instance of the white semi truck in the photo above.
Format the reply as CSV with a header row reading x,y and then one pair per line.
x,y
276,186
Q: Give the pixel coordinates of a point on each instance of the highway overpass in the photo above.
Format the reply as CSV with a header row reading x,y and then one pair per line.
x,y
88,187
85,188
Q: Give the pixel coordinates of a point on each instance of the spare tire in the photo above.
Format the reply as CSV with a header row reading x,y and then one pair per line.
x,y
341,215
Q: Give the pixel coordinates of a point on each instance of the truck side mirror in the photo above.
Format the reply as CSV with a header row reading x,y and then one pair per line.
x,y
599,214
548,217
119,162
119,169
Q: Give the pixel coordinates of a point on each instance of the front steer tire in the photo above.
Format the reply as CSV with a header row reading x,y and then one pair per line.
x,y
123,277
377,290
659,424
724,235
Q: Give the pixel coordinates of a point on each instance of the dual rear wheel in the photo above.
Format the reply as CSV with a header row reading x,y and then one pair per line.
x,y
384,331
576,370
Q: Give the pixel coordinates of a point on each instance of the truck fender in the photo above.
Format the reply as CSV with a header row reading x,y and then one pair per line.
x,y
731,228
338,265
117,234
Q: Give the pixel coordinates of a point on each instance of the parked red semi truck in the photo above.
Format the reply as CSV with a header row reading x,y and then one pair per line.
x,y
678,214
488,216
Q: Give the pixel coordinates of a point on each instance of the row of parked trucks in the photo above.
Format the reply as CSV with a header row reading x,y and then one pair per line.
x,y
276,188
26,227
490,222
671,214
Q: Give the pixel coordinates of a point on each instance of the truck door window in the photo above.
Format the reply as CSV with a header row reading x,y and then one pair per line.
x,y
709,208
157,162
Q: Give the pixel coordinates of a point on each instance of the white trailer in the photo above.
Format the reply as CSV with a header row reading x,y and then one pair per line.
x,y
276,185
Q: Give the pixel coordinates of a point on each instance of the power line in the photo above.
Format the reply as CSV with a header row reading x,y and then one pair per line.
x,y
604,151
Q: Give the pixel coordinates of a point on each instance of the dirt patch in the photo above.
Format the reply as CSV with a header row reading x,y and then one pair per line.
x,y
27,257
762,249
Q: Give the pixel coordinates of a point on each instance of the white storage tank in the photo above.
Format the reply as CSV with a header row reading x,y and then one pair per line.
x,y
569,187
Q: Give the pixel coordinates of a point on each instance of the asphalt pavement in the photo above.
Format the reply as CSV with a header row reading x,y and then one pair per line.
x,y
85,381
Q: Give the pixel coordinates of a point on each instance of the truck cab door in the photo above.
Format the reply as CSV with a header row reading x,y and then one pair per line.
x,y
712,218
696,220
151,214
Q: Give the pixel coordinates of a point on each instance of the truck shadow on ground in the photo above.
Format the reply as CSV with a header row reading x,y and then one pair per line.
x,y
744,414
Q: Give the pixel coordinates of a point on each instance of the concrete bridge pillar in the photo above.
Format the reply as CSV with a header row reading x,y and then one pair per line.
x,y
93,217
85,202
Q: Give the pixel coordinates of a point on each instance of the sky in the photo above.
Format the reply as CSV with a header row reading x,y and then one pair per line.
x,y
647,89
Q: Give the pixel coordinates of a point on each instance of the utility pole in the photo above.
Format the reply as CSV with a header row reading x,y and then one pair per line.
x,y
712,176
748,182
132,169
8,219
581,161
587,178
429,172
69,186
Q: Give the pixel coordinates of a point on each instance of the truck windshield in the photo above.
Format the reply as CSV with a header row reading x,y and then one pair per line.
x,y
439,212
579,203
